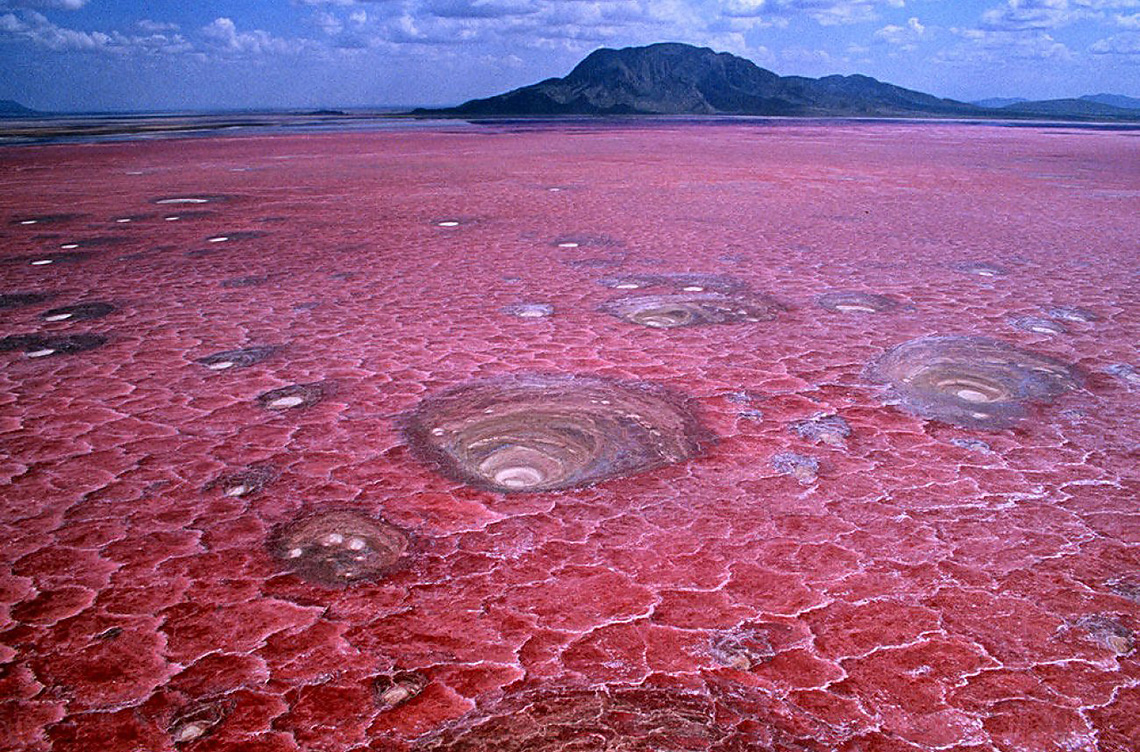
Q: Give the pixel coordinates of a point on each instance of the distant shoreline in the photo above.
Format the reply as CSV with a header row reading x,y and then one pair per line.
x,y
101,128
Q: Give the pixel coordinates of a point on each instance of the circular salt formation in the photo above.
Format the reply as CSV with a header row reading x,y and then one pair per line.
x,y
981,269
1038,325
542,433
691,309
197,721
855,302
293,396
607,719
339,547
78,312
1076,315
44,219
972,382
191,200
241,358
530,310
40,346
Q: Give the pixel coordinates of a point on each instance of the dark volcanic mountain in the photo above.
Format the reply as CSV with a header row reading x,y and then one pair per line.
x,y
679,79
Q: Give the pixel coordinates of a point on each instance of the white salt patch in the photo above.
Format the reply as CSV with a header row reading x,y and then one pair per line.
x,y
447,223
626,286
123,220
847,308
971,395
1042,330
42,262
437,432
184,201
40,353
69,246
693,288
287,401
29,221
239,490
294,553
567,245
172,219
219,239
58,317
221,365
986,273
333,539
357,544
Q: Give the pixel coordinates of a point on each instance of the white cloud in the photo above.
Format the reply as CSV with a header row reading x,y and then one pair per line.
x,y
824,12
222,34
1022,15
1127,44
34,27
904,37
998,47
56,4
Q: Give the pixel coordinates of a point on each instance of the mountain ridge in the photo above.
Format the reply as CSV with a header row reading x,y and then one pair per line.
x,y
672,78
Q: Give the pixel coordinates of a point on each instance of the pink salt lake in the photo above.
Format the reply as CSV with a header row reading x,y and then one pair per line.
x,y
792,557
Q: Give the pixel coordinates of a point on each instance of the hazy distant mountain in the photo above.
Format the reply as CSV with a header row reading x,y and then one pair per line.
x,y
679,79
1115,100
1083,108
999,102
10,108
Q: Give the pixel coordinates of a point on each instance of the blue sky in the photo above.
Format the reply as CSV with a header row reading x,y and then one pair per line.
x,y
177,54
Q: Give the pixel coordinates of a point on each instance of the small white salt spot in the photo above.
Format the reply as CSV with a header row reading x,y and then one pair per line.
x,y
1042,330
184,201
40,353
693,288
189,732
219,239
357,544
986,273
123,220
437,432
971,395
447,223
134,172
220,365
238,490
1133,377
57,317
29,221
332,539
531,313
567,245
294,553
69,246
42,262
172,219
854,308
283,402
627,286
554,190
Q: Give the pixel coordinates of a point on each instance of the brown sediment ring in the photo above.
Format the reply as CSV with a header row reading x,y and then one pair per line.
x,y
691,309
974,382
337,548
533,432
855,302
614,719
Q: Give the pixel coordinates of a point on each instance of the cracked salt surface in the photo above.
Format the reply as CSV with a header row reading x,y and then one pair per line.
x,y
185,503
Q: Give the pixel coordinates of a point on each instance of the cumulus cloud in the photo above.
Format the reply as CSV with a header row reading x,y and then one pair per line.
x,y
825,12
904,37
34,27
1127,43
1022,15
990,46
57,4
222,34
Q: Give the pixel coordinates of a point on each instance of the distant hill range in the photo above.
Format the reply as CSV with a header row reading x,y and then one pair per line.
x,y
10,108
679,79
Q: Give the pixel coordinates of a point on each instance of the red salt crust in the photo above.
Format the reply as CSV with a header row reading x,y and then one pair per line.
x,y
931,587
